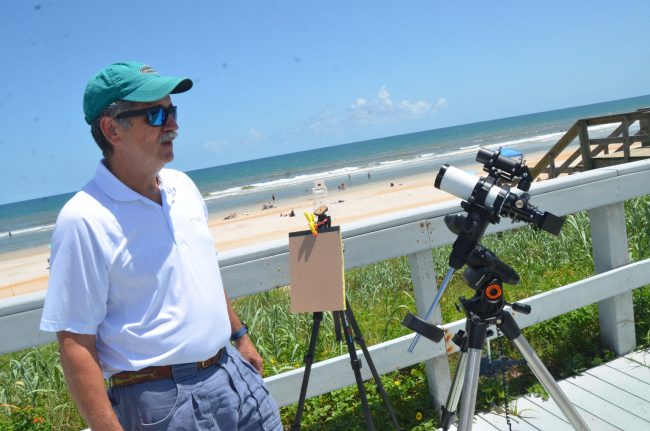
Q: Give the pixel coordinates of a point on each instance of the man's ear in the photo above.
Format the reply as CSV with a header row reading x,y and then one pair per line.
x,y
109,129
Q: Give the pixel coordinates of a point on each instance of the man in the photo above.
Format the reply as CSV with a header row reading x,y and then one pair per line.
x,y
135,293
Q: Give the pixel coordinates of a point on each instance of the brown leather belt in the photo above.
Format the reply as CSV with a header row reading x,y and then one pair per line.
x,y
149,374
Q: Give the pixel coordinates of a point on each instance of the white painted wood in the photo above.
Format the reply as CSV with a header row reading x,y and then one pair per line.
x,y
610,250
593,422
424,289
640,356
606,398
631,368
609,237
19,320
539,417
602,408
479,424
335,373
499,422
631,403
584,292
624,381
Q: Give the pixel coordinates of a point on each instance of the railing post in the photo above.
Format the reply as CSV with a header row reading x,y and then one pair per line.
x,y
644,128
626,138
425,288
610,249
585,145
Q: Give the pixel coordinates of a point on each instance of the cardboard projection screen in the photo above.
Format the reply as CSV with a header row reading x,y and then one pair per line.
x,y
316,270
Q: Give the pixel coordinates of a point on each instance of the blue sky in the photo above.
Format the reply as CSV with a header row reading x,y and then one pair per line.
x,y
274,77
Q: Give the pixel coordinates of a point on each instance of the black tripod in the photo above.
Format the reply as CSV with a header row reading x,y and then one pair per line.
x,y
486,274
347,328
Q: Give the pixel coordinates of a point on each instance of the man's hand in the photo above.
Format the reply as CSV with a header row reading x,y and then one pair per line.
x,y
249,352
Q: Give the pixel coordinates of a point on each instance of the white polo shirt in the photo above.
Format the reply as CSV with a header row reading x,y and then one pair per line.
x,y
143,277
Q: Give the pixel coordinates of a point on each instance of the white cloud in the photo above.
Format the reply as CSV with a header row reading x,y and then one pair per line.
x,y
326,120
383,97
216,146
382,108
414,108
359,103
226,148
254,135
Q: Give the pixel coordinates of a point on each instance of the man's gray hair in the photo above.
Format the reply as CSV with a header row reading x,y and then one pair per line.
x,y
112,110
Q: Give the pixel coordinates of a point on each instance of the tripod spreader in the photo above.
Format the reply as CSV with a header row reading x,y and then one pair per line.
x,y
423,328
520,308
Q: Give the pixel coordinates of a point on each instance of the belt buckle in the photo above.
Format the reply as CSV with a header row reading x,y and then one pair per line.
x,y
204,364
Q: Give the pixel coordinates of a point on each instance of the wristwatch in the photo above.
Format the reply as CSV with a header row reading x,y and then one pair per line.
x,y
240,332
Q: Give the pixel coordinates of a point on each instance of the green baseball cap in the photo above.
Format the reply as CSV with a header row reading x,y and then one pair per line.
x,y
131,80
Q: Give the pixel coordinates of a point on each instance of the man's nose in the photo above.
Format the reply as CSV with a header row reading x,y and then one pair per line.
x,y
170,123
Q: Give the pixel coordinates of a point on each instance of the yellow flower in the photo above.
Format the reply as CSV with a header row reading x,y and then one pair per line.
x,y
418,416
397,382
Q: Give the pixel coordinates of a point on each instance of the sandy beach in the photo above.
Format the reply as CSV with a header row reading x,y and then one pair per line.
x,y
26,271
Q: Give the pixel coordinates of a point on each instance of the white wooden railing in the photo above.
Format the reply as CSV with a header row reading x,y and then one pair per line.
x,y
414,233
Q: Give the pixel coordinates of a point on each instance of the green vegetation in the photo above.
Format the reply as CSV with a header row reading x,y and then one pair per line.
x,y
33,394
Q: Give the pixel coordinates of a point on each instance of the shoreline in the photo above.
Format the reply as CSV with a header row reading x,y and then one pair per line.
x,y
26,271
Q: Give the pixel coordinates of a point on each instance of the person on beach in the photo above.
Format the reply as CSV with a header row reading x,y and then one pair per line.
x,y
135,293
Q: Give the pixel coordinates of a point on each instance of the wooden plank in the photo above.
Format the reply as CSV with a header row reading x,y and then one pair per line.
x,y
335,373
635,153
602,408
583,135
615,395
640,356
499,422
20,331
594,423
607,141
624,381
631,368
602,286
479,424
539,417
604,382
555,151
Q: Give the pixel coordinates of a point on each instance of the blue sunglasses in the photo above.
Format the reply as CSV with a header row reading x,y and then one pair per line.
x,y
156,115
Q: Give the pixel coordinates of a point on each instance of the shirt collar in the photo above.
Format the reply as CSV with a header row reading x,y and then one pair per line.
x,y
113,187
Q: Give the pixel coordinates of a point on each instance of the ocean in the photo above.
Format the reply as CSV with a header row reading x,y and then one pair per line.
x,y
247,185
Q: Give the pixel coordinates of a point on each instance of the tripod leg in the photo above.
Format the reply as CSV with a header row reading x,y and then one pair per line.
x,y
309,360
448,413
512,331
337,328
380,387
476,334
356,366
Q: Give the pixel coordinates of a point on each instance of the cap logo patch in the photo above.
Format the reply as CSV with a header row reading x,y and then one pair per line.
x,y
147,69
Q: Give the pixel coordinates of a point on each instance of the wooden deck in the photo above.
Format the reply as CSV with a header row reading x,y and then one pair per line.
x,y
614,396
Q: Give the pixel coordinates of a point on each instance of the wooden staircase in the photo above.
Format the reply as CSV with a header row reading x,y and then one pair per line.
x,y
618,147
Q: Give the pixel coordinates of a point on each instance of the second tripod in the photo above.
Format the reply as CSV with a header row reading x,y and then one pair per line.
x,y
347,329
